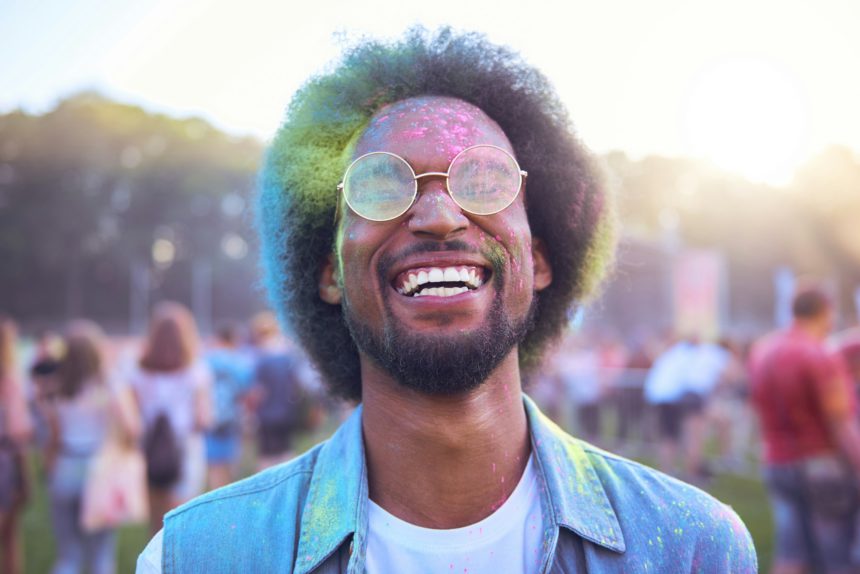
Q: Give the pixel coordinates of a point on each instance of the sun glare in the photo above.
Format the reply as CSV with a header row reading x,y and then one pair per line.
x,y
748,116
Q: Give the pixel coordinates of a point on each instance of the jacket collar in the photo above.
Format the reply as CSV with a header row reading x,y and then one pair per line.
x,y
336,496
336,503
577,498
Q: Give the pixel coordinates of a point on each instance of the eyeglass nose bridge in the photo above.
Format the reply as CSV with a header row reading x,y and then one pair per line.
x,y
431,174
446,175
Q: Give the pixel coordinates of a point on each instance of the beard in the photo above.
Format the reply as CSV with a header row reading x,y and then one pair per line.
x,y
441,364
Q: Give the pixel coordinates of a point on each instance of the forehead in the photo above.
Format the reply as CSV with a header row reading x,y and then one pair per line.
x,y
430,129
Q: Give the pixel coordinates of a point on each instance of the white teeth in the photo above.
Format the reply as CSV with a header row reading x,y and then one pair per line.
x,y
441,291
451,274
474,280
412,282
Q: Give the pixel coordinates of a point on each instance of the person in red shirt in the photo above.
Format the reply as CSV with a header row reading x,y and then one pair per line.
x,y
807,410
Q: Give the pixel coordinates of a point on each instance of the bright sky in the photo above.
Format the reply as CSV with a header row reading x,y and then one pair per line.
x,y
756,86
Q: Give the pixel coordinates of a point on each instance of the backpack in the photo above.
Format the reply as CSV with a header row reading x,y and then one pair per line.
x,y
283,404
163,453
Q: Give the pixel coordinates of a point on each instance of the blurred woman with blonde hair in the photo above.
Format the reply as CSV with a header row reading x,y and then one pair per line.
x,y
173,389
15,430
78,420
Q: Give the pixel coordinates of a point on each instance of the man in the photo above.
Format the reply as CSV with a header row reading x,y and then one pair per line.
x,y
807,411
421,285
667,390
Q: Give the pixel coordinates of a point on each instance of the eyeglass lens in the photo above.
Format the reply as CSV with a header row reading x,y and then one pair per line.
x,y
484,180
379,186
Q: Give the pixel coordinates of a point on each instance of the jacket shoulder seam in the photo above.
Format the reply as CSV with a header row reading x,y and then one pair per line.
x,y
244,492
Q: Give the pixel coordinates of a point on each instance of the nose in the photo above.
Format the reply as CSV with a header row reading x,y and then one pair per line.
x,y
435,214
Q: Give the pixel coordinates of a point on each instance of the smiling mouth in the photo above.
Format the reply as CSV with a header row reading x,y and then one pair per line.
x,y
439,281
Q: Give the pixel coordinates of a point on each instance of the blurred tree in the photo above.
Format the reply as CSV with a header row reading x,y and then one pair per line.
x,y
810,226
94,188
87,189
827,192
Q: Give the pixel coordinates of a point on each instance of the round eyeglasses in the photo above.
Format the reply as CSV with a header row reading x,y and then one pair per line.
x,y
482,179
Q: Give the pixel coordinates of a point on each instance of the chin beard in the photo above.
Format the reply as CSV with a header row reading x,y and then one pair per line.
x,y
441,364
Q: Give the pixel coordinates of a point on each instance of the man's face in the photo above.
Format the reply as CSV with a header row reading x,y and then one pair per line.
x,y
448,334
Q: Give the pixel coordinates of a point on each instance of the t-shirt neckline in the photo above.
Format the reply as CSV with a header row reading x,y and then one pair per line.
x,y
487,530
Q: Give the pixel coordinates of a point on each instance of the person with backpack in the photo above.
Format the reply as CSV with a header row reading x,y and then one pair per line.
x,y
173,390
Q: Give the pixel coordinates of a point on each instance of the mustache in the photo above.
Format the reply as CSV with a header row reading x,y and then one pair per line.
x,y
493,256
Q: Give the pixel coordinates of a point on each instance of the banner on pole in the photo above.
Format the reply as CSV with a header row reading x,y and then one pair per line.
x,y
697,283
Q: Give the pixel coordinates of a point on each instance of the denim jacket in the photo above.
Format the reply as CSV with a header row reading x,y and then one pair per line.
x,y
601,513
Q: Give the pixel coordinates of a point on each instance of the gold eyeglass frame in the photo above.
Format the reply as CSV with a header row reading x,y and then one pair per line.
x,y
415,177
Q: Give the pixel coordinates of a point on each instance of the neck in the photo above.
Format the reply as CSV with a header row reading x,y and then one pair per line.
x,y
811,327
444,461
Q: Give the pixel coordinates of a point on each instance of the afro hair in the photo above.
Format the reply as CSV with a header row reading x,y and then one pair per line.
x,y
567,205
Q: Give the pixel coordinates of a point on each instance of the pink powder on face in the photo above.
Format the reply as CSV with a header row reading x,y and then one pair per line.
x,y
446,125
415,133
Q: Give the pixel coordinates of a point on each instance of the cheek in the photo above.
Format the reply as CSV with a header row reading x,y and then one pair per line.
x,y
359,244
522,267
514,233
510,245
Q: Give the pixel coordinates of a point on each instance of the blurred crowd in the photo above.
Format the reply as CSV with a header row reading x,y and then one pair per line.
x,y
782,407
682,400
123,430
662,397
169,416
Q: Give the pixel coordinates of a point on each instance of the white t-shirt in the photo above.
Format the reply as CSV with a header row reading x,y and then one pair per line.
x,y
508,540
668,379
709,363
171,393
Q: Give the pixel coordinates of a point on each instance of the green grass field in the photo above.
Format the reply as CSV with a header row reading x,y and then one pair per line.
x,y
745,494
749,499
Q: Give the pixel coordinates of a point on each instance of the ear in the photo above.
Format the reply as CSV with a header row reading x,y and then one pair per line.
x,y
329,287
542,267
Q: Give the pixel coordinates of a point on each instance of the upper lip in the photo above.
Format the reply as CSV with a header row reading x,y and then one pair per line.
x,y
438,259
